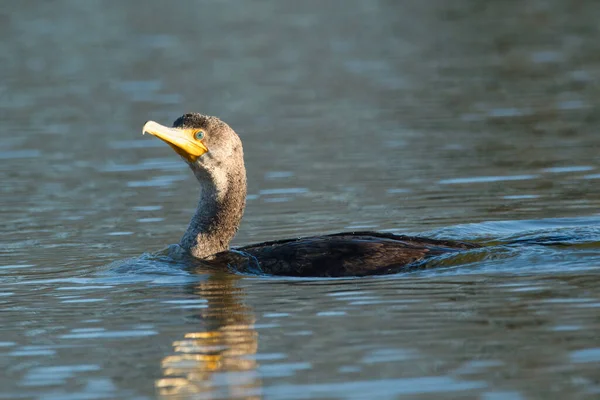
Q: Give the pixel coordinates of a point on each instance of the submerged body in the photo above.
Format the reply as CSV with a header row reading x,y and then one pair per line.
x,y
214,153
347,254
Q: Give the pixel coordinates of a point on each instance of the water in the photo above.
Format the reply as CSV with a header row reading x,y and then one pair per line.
x,y
463,120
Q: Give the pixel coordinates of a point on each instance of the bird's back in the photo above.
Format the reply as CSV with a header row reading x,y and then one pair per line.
x,y
347,254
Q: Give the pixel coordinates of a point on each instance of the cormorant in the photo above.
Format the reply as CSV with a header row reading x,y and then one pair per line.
x,y
214,153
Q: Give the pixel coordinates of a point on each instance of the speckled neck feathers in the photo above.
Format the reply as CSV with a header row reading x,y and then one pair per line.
x,y
222,177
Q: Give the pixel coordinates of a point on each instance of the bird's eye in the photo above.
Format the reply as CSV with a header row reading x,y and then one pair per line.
x,y
199,135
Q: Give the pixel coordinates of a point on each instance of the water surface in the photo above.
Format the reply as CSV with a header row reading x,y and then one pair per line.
x,y
463,120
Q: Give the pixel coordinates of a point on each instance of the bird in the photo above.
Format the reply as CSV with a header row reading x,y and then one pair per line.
x,y
214,153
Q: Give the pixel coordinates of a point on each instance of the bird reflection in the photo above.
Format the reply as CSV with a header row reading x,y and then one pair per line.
x,y
215,362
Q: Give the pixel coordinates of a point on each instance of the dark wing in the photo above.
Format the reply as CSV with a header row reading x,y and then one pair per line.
x,y
347,254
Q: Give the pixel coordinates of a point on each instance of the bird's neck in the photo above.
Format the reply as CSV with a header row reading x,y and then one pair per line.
x,y
219,213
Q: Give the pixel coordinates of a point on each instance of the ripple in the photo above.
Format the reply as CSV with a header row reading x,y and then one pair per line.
x,y
484,179
571,105
278,174
88,300
55,375
85,287
566,328
159,181
281,370
277,200
186,301
14,154
507,112
16,266
560,170
123,233
146,208
32,353
521,197
331,313
361,227
109,334
591,176
146,165
147,220
134,144
372,389
276,315
283,191
398,191
547,56
389,355
502,395
586,356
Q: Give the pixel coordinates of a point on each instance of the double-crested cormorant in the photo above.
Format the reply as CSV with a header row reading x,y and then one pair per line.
x,y
214,153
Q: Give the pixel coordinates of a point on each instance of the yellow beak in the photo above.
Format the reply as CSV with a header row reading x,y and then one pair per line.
x,y
181,140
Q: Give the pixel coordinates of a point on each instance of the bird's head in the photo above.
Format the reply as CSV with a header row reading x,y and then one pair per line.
x,y
214,153
206,143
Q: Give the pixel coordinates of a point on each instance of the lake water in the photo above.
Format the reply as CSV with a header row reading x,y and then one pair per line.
x,y
468,120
